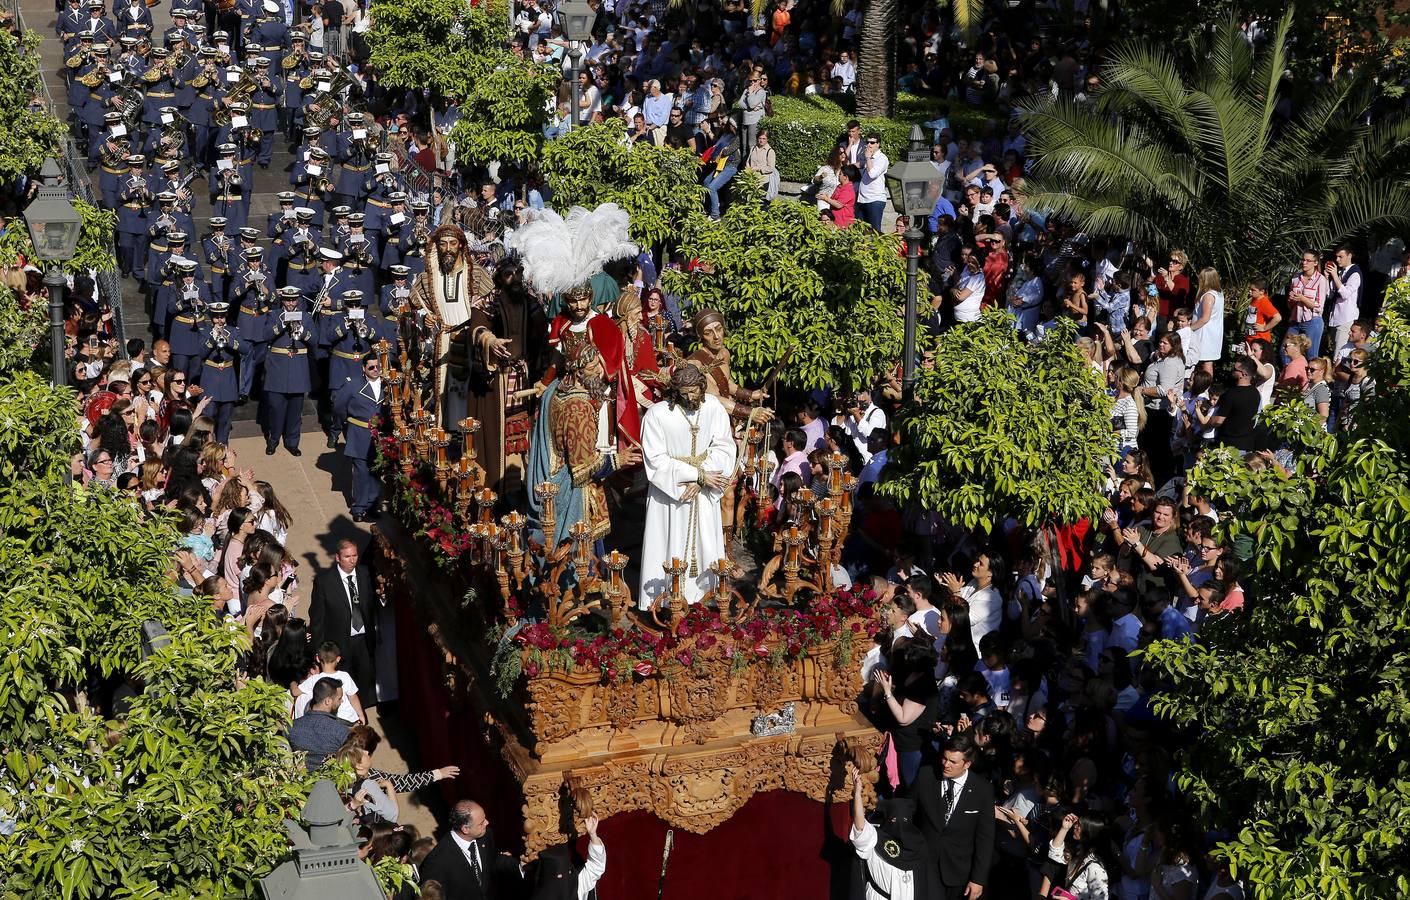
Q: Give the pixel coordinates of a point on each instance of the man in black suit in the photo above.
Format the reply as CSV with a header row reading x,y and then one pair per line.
x,y
955,812
466,863
344,610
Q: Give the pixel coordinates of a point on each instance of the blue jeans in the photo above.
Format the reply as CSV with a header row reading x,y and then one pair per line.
x,y
713,185
872,212
1313,329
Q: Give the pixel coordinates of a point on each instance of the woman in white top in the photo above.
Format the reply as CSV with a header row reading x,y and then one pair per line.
x,y
1085,877
1261,352
1128,415
273,517
1175,878
1208,326
828,177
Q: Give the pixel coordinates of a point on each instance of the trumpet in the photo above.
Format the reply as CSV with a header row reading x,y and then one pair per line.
x,y
220,336
222,243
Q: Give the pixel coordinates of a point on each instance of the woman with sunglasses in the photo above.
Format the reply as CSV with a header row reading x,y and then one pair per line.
x,y
1354,384
114,437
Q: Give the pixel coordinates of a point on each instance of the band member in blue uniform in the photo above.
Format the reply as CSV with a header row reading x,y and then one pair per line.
x,y
358,403
221,352
255,287
188,300
287,371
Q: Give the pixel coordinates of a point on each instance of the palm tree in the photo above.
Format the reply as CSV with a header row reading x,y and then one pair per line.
x,y
876,50
1196,150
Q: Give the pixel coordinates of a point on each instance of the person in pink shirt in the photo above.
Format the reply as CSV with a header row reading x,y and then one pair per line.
x,y
843,198
795,457
1306,296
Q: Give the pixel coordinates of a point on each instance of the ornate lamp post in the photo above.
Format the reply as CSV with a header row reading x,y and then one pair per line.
x,y
914,185
576,17
54,225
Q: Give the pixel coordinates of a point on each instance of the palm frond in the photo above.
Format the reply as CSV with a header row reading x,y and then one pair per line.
x,y
1228,58
1093,155
1103,216
1228,129
1148,79
1268,75
969,15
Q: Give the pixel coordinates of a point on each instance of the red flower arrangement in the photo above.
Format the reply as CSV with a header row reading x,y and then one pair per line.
x,y
775,634
417,503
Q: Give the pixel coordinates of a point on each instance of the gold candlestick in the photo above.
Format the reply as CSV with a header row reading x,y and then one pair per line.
x,y
485,499
618,597
547,491
468,429
675,569
836,463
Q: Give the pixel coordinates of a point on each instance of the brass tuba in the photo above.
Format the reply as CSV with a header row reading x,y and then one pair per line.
x,y
240,93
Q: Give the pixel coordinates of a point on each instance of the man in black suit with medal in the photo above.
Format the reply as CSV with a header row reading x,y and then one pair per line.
x,y
466,862
955,812
344,610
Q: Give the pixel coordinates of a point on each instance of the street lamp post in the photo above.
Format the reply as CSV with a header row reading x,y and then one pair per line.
x,y
576,17
575,57
54,225
914,185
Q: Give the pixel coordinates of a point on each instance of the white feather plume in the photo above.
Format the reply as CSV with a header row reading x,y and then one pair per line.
x,y
559,254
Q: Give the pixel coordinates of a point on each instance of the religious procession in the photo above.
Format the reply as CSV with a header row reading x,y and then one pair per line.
x,y
793,460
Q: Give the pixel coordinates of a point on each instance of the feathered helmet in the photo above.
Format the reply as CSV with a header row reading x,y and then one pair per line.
x,y
561,254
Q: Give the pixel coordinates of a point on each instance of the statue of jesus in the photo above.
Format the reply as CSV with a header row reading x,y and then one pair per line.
x,y
689,452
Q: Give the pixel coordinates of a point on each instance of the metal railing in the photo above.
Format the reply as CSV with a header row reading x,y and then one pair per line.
x,y
75,169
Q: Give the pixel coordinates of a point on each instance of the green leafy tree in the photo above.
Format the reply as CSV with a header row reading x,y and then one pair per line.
x,y
184,794
788,284
1296,707
459,51
26,138
659,187
1184,148
95,242
427,44
503,113
1002,429
22,329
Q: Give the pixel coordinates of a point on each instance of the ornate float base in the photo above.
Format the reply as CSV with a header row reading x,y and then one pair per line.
x,y
690,745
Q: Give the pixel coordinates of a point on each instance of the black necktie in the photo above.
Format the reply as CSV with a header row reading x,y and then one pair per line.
x,y
949,798
356,607
474,853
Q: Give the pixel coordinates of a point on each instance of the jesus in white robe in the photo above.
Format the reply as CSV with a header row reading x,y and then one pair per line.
x,y
689,456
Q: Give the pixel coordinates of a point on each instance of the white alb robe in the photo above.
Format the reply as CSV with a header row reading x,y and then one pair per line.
x,y
691,532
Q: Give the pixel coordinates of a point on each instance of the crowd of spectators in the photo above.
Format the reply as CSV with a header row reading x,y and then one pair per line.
x,y
994,664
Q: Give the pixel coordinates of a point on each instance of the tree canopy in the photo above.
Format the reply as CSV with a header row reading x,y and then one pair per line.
x,y
1295,709
184,794
27,137
458,51
1001,429
788,284
1187,146
659,187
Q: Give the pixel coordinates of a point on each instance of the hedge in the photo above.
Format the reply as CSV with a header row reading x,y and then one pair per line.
x,y
803,130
